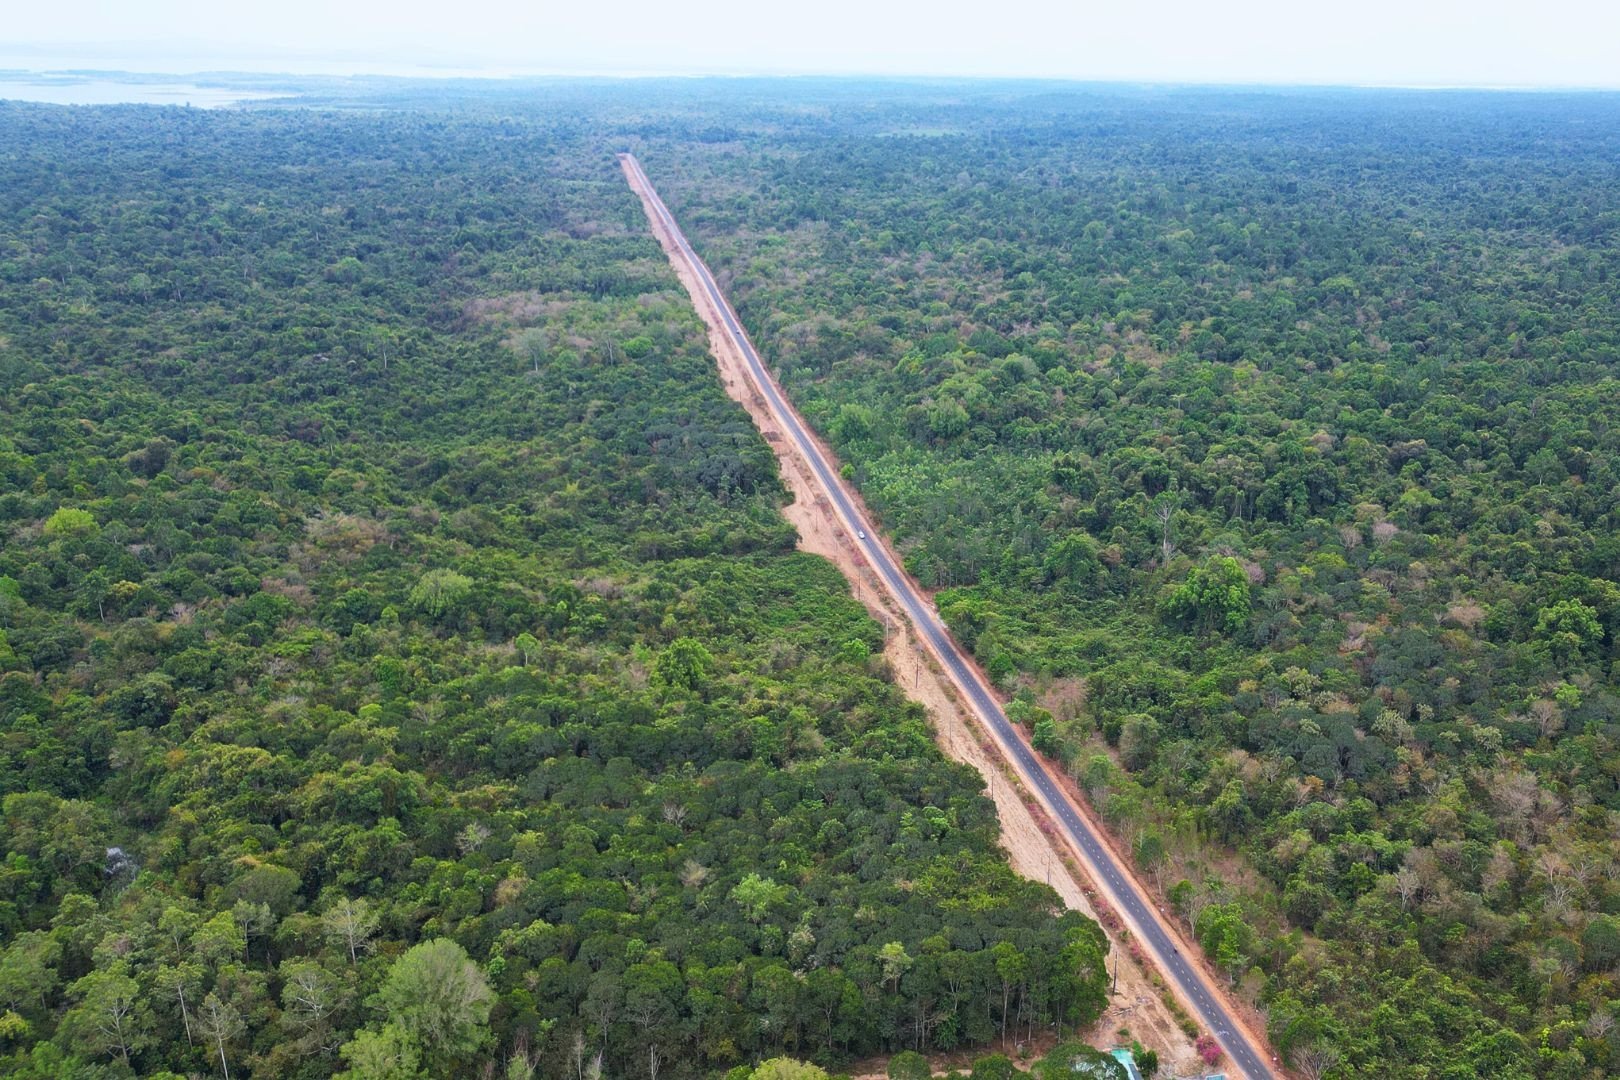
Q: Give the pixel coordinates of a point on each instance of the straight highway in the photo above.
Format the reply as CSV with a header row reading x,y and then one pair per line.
x,y
1115,882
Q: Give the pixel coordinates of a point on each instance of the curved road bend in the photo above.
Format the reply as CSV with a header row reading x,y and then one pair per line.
x,y
1122,892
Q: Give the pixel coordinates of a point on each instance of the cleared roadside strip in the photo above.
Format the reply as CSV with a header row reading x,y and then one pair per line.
x,y
1099,862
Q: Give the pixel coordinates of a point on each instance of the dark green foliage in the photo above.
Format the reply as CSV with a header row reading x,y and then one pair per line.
x,y
1091,354
387,576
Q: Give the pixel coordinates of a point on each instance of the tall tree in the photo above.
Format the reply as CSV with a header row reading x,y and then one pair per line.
x,y
441,1000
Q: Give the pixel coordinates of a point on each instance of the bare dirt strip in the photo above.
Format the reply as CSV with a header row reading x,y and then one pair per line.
x,y
1034,847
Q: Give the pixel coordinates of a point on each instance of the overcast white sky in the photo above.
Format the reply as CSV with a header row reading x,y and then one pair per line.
x,y
1424,42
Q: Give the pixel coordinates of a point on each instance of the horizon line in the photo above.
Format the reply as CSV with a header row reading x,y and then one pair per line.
x,y
495,72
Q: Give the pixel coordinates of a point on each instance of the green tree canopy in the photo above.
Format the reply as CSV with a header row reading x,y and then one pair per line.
x,y
439,1000
1215,596
441,592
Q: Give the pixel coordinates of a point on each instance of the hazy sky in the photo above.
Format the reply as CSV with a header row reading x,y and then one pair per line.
x,y
1426,42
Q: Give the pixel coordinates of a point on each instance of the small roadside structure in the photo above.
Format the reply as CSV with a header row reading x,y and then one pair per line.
x,y
1127,1059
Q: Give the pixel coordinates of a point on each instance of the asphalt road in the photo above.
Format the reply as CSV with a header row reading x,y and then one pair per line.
x,y
1121,890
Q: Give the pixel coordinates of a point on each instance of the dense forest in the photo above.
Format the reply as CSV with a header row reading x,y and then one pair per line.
x,y
405,669
1263,446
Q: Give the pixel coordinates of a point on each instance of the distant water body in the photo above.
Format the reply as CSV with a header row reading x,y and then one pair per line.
x,y
70,90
